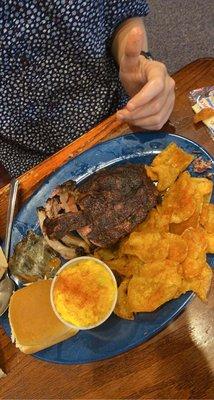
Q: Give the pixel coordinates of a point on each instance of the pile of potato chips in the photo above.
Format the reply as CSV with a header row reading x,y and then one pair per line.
x,y
165,255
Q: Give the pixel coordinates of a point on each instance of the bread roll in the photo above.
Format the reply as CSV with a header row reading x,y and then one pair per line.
x,y
33,322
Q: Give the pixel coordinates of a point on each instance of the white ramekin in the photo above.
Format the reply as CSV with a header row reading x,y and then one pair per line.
x,y
69,264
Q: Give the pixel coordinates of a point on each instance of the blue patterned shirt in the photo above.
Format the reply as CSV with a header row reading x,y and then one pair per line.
x,y
57,75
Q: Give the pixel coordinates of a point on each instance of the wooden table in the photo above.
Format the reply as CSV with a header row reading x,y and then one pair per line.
x,y
178,363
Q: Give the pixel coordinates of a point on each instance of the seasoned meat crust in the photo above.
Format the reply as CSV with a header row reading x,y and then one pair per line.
x,y
103,209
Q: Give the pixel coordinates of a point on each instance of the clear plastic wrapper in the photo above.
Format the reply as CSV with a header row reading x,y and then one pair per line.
x,y
202,98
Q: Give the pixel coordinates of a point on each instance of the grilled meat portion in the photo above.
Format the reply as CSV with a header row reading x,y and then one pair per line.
x,y
58,227
103,209
70,246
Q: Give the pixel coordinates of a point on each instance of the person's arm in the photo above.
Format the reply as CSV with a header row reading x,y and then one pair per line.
x,y
147,82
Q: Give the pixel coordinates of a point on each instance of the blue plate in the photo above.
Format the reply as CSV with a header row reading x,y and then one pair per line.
x,y
115,335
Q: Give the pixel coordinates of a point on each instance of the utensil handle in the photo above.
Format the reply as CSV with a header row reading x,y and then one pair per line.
x,y
10,214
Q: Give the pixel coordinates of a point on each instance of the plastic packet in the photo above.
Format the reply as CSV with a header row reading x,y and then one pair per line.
x,y
203,98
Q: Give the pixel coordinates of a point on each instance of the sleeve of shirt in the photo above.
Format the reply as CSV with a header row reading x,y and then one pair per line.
x,y
118,11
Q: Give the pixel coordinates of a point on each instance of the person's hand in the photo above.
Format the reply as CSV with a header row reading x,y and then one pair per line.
x,y
148,84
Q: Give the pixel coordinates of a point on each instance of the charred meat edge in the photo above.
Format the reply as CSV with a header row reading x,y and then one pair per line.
x,y
69,247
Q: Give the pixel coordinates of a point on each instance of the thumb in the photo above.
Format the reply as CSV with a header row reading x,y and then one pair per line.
x,y
130,59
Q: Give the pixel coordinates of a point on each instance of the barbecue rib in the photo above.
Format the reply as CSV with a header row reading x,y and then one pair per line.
x,y
103,209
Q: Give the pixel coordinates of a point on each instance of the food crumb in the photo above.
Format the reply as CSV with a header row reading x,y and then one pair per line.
x,y
2,374
200,165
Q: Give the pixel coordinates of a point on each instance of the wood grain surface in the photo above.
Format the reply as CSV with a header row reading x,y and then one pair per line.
x,y
178,363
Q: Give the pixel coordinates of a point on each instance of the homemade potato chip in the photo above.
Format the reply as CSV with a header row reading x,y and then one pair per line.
x,y
173,156
167,165
207,222
203,186
122,308
196,242
124,265
104,254
134,264
178,248
149,246
165,176
118,264
201,283
158,283
207,217
179,201
210,242
194,220
192,267
203,191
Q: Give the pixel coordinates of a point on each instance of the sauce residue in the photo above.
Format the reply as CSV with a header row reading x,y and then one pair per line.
x,y
84,293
